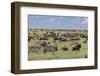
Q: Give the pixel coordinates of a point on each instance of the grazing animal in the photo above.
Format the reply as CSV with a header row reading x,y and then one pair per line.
x,y
56,38
49,49
84,35
85,41
65,48
76,47
30,37
34,49
43,44
43,38
75,38
63,39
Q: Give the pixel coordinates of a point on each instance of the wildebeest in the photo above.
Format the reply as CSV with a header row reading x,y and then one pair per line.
x,y
65,48
63,39
85,41
44,43
75,38
76,47
56,38
30,37
34,49
43,38
49,48
84,35
52,34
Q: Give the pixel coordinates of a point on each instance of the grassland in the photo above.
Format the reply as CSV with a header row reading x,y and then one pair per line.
x,y
59,54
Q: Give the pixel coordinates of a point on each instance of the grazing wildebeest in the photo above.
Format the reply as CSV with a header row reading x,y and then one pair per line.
x,y
76,47
63,39
49,49
34,49
64,35
44,43
30,37
43,38
65,48
75,38
56,38
52,34
84,35
85,41
46,35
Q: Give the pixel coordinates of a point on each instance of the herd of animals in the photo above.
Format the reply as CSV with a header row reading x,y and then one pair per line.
x,y
44,45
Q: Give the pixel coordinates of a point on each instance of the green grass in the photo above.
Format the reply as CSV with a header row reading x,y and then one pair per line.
x,y
60,54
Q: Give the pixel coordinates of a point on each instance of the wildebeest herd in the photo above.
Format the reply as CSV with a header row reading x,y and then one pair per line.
x,y
44,44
